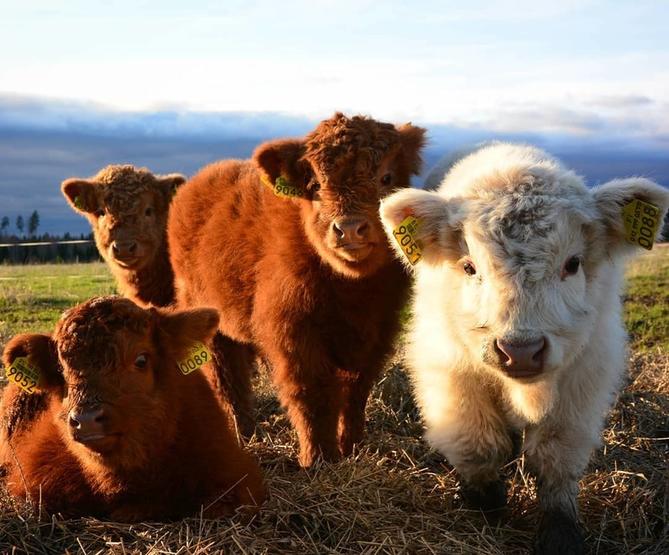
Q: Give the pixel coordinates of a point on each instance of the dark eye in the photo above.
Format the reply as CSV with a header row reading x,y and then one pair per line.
x,y
386,180
314,186
469,268
148,211
141,361
571,266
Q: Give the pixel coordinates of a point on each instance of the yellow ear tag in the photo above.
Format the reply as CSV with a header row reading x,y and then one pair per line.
x,y
78,203
281,187
641,220
24,374
405,235
197,357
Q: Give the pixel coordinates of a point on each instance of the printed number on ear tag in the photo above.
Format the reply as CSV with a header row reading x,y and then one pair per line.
x,y
282,187
198,356
405,235
641,220
24,374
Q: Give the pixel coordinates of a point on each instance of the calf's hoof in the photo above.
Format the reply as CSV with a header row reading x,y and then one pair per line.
x,y
558,534
484,497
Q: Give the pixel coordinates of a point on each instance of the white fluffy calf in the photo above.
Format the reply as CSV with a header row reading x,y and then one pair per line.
x,y
517,319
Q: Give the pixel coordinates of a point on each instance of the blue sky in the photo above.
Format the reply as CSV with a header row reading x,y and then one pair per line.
x,y
175,85
577,67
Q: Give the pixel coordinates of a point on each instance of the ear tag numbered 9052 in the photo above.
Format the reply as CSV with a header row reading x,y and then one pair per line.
x,y
24,374
282,187
197,357
405,235
641,220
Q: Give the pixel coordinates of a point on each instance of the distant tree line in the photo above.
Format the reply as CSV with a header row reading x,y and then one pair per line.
x,y
17,253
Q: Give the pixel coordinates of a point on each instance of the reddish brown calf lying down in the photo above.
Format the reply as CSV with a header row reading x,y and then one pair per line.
x,y
125,435
309,281
127,208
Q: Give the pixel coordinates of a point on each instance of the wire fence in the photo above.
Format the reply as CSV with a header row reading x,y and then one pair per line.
x,y
68,250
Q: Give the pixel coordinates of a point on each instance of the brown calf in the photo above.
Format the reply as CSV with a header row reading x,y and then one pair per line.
x,y
127,209
125,435
309,281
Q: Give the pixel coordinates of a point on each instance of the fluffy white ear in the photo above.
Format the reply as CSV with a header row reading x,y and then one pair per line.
x,y
438,231
615,202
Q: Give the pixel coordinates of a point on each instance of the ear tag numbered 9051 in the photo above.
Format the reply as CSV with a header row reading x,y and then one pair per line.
x,y
24,374
197,357
405,235
282,187
641,220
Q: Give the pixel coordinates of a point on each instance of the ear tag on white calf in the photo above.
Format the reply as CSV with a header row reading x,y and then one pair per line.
x,y
197,357
281,187
405,235
641,220
24,374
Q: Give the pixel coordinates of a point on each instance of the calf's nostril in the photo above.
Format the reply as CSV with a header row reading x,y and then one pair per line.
x,y
339,232
74,423
132,248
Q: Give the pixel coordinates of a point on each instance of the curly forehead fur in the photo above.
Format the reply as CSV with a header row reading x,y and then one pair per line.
x,y
342,141
122,185
89,331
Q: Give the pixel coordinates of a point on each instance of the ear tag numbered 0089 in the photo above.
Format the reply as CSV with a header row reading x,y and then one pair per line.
x,y
24,374
197,357
641,220
405,235
282,187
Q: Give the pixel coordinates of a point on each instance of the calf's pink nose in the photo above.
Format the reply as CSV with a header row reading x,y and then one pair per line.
x,y
521,358
87,421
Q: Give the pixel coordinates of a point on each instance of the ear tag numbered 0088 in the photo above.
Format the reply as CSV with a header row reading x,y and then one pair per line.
x,y
24,374
282,187
197,357
405,235
641,220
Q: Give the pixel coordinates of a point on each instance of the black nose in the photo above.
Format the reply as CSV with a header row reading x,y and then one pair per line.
x,y
521,358
351,229
124,249
87,420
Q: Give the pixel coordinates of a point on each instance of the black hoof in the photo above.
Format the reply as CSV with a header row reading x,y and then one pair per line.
x,y
558,534
485,497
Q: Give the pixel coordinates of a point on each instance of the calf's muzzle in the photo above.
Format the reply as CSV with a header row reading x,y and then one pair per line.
x,y
521,358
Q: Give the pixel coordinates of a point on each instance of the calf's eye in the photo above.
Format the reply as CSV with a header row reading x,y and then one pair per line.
x,y
469,268
571,266
386,179
141,361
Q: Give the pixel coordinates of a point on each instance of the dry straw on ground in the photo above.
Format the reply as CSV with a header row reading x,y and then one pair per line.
x,y
396,495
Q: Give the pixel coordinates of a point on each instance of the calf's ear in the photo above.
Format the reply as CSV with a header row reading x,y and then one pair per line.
x,y
282,158
412,141
169,184
438,231
80,193
42,355
629,224
181,330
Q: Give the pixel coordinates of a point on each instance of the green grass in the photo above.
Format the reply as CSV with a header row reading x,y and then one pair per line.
x,y
647,301
33,297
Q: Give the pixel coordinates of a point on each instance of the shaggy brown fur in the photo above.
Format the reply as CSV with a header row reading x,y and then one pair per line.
x,y
309,282
127,209
126,435
127,205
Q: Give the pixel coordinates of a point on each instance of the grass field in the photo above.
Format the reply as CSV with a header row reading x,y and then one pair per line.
x,y
395,495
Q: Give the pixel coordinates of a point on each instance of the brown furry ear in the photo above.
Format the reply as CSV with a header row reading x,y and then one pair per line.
x,y
181,330
170,183
80,193
40,350
282,158
412,139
